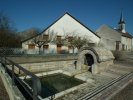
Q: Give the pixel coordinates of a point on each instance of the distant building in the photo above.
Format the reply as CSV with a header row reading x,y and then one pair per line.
x,y
126,38
65,25
110,38
116,39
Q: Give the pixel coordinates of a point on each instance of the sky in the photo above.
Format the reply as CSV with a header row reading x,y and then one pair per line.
x,y
26,14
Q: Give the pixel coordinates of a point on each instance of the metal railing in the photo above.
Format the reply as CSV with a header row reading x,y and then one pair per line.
x,y
35,80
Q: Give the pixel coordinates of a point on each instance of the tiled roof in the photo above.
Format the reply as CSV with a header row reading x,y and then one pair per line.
x,y
127,35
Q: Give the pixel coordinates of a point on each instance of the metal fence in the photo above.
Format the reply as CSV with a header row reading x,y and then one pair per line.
x,y
10,68
25,52
14,69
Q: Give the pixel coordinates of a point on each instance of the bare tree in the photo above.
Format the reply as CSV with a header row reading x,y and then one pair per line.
x,y
8,37
24,35
73,41
46,38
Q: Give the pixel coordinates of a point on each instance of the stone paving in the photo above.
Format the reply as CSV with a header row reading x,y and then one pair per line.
x,y
115,71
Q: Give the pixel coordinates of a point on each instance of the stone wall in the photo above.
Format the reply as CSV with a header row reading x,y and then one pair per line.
x,y
47,66
37,63
41,58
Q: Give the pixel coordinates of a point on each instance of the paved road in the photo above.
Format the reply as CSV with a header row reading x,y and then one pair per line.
x,y
3,93
125,94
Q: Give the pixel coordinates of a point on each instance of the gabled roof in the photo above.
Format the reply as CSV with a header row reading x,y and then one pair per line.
x,y
108,32
59,19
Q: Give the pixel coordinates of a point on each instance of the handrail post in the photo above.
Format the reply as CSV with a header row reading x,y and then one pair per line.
x,y
13,83
35,79
36,88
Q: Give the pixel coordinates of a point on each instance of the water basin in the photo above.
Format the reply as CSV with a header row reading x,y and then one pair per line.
x,y
55,83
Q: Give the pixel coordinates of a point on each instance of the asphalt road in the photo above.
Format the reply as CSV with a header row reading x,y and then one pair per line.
x,y
125,94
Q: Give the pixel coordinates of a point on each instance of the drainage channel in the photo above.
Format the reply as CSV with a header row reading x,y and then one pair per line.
x,y
101,88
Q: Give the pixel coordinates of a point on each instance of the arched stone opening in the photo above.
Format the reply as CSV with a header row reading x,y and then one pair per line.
x,y
94,59
88,61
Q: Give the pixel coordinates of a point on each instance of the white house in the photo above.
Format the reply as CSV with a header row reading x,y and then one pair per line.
x,y
65,25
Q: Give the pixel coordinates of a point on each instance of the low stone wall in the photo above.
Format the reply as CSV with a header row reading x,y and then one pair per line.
x,y
47,66
39,63
42,58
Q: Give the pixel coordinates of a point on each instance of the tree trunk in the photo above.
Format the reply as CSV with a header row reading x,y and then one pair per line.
x,y
73,50
39,50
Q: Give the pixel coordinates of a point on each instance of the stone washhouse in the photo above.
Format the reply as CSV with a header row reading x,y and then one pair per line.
x,y
94,59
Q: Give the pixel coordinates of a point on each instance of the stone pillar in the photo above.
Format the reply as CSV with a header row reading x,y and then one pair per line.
x,y
94,69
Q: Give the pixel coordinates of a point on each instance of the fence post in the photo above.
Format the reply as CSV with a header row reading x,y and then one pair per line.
x,y
36,88
13,83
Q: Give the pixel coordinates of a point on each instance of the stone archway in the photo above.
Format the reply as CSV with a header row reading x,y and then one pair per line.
x,y
86,59
93,59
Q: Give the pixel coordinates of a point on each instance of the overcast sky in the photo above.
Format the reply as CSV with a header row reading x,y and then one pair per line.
x,y
93,13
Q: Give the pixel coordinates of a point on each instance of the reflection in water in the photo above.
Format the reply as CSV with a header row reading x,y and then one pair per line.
x,y
52,84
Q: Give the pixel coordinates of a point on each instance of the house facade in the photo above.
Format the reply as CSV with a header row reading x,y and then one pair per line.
x,y
126,38
66,25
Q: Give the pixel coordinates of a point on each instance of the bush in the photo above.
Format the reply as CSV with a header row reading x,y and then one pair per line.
x,y
117,55
64,52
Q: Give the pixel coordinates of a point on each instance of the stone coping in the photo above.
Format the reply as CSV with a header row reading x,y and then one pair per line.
x,y
60,94
38,59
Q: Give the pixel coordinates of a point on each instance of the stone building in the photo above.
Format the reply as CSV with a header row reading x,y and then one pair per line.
x,y
65,25
116,39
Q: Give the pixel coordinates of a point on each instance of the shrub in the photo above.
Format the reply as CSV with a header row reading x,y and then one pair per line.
x,y
117,55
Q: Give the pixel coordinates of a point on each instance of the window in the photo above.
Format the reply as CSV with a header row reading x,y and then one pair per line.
x,y
58,48
31,46
45,46
117,45
123,47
